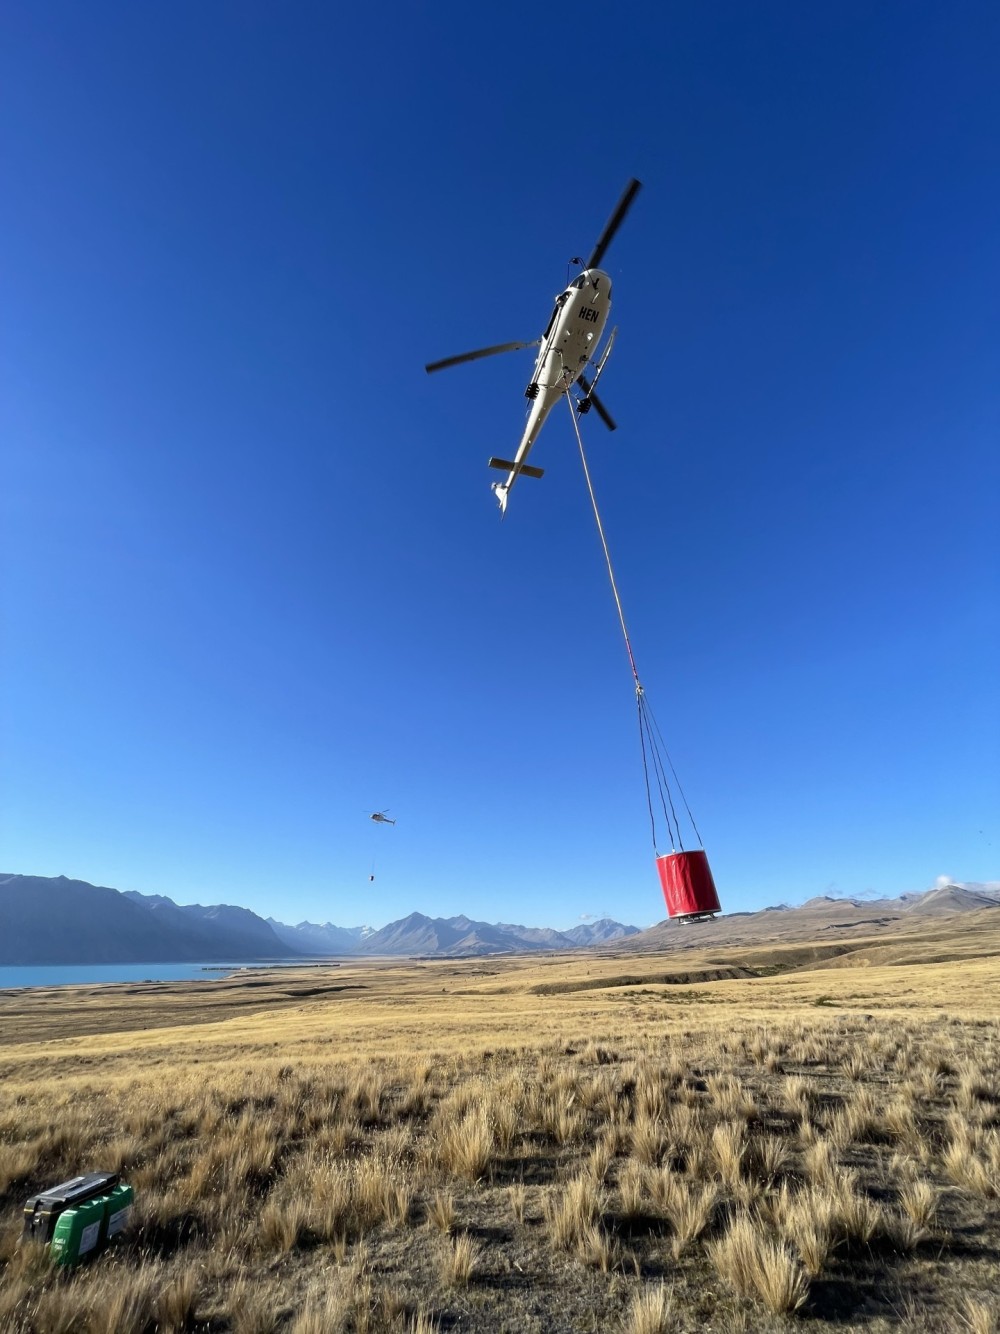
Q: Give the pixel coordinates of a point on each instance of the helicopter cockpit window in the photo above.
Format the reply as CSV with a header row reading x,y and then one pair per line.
x,y
579,282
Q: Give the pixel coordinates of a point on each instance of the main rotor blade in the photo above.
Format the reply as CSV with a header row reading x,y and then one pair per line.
x,y
614,222
474,356
599,407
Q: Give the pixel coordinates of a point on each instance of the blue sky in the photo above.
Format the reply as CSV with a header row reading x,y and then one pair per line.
x,y
254,582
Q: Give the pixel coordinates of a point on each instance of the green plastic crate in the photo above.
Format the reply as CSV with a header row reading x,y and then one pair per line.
x,y
79,1231
117,1207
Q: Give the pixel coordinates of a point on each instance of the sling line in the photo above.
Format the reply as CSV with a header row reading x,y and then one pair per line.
x,y
650,738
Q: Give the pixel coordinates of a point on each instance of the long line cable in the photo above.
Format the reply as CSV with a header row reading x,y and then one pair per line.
x,y
604,544
649,730
677,780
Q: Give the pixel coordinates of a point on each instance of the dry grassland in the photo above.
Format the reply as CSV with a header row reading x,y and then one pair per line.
x,y
744,1140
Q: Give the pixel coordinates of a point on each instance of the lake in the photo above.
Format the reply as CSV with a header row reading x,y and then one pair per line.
x,y
70,974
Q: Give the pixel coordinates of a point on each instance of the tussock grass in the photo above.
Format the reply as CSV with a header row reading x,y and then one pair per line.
x,y
820,1163
289,1179
176,1305
422,1323
441,1213
919,1201
767,1157
977,1317
729,1148
808,1220
462,1259
465,1148
322,1315
569,1214
599,1249
519,1202
648,1140
730,1099
857,1216
755,1266
632,1186
690,1211
651,1311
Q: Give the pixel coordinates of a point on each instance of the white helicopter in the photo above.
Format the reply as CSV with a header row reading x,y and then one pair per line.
x,y
569,343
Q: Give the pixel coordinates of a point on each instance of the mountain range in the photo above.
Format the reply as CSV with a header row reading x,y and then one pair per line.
x,y
55,920
448,937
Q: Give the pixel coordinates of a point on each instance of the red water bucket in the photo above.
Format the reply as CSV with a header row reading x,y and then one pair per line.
x,y
688,886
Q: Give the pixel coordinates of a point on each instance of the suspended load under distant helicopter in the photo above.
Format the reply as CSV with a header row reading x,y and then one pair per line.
x,y
379,817
569,343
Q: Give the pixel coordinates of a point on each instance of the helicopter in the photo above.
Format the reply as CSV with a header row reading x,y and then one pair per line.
x,y
567,346
380,817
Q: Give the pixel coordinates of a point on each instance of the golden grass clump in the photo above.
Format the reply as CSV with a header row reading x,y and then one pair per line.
x,y
755,1266
322,1315
797,1095
379,1194
441,1213
600,1159
461,1261
767,1158
729,1148
176,1304
808,1220
973,1087
648,1140
858,1218
729,1097
283,1225
919,1201
977,1317
596,1248
820,1163
968,1170
519,1201
690,1211
465,1148
570,1213
651,1311
631,1190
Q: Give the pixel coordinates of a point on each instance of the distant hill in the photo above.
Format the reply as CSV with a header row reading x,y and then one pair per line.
x,y
54,920
949,899
821,918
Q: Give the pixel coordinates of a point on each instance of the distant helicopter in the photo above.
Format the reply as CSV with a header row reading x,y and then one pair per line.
x,y
568,344
380,817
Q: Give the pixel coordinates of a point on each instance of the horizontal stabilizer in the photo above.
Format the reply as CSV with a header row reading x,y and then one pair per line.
x,y
525,470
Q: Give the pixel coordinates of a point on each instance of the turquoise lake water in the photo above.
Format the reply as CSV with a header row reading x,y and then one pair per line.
x,y
64,975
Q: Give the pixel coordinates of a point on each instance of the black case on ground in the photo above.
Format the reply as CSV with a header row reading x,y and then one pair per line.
x,y
42,1211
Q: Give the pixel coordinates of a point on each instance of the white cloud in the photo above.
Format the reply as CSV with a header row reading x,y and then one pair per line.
x,y
987,887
